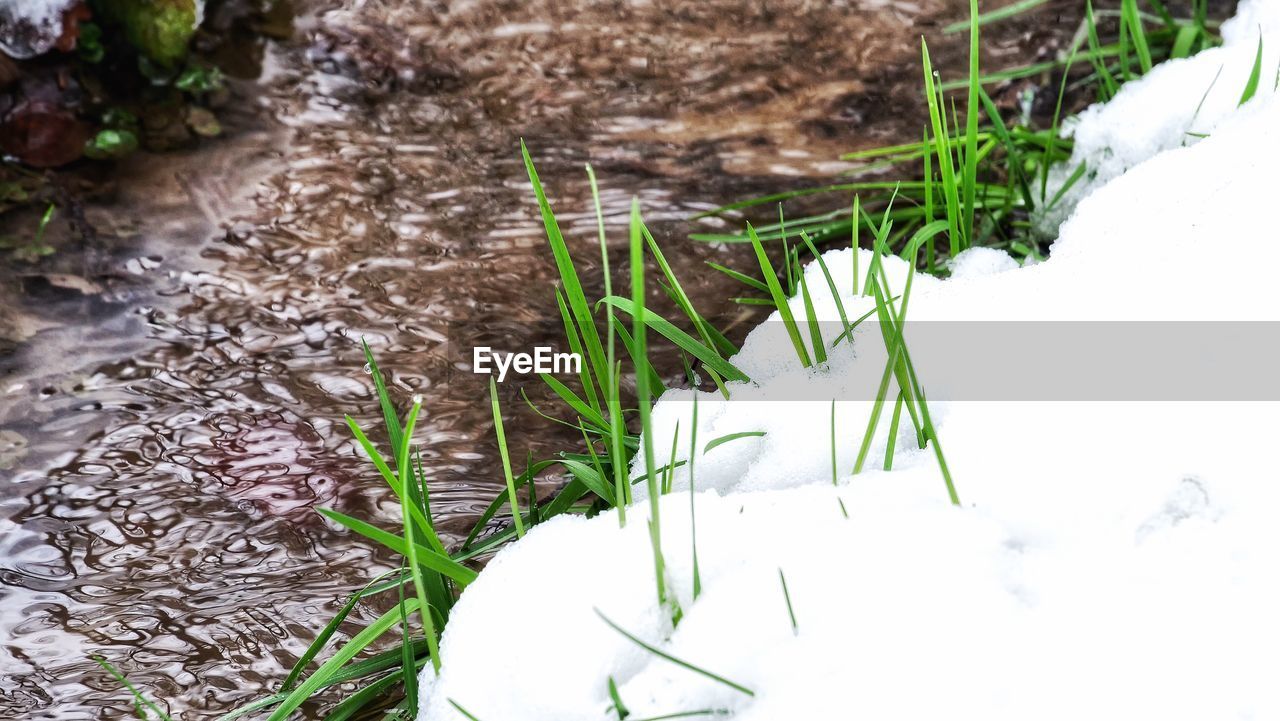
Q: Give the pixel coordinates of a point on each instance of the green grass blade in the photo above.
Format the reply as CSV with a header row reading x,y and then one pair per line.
x,y
1255,75
641,358
1016,163
668,476
389,416
358,643
407,662
679,662
416,562
618,707
815,329
894,422
581,407
1133,23
992,16
946,167
791,612
1109,83
326,633
779,300
740,277
427,557
140,701
394,482
618,459
356,702
575,346
693,517
831,284
728,437
610,383
592,478
694,347
462,711
568,273
506,457
970,180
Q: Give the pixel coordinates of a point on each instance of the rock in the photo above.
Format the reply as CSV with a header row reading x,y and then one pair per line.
x,y
43,134
203,122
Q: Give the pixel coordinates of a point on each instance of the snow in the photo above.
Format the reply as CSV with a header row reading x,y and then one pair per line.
x,y
1193,94
1109,560
30,27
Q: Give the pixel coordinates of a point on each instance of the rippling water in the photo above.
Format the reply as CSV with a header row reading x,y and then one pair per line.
x,y
171,400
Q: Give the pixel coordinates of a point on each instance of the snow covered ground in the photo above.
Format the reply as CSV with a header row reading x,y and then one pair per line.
x,y
31,27
1110,560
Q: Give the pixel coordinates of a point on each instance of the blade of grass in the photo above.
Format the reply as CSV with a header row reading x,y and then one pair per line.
x,y
326,633
946,167
358,643
893,432
791,612
693,517
740,277
394,482
779,300
717,442
1133,25
411,547
684,304
641,358
679,662
506,457
996,15
389,416
1251,87
969,182
831,283
568,273
710,358
140,701
407,663
440,563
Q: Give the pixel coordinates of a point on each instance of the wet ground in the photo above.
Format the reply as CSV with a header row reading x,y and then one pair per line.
x,y
171,399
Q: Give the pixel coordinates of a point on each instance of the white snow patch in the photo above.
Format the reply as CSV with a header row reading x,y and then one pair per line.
x,y
977,262
30,27
1193,95
1111,560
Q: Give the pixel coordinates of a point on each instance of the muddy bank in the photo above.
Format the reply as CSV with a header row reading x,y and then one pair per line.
x,y
179,398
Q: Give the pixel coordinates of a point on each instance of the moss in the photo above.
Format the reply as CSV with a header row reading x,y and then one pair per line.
x,y
159,29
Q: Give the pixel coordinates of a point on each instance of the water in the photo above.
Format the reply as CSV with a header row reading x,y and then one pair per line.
x,y
171,399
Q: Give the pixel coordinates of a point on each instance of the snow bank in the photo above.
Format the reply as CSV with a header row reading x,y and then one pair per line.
x,y
1193,96
1111,560
31,27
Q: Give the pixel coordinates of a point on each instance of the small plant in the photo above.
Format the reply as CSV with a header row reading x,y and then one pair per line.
x,y
30,251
